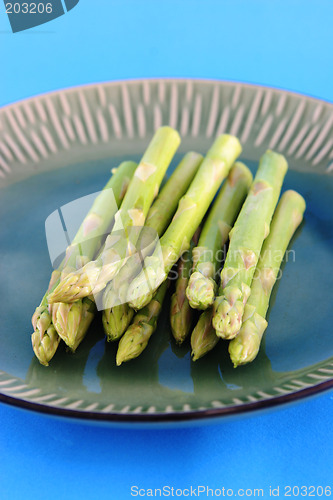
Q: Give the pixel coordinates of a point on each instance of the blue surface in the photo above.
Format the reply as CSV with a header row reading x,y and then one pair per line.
x,y
284,44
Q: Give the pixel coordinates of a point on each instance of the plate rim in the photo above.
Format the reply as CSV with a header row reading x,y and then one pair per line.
x,y
180,79
172,417
181,415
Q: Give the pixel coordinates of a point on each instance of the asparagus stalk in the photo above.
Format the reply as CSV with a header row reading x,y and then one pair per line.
x,y
166,203
117,314
144,324
202,285
288,216
191,209
203,338
226,207
246,239
180,311
72,320
45,339
120,244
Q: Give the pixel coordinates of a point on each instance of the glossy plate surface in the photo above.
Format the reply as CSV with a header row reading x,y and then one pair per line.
x,y
59,147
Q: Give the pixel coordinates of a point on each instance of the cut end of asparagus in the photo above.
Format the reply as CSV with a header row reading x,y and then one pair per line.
x,y
203,338
166,133
293,199
277,158
200,291
238,172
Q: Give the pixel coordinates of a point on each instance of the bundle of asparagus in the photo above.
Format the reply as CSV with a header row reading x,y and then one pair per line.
x,y
143,188
288,216
131,269
245,346
246,239
198,289
192,207
51,323
117,313
191,210
214,238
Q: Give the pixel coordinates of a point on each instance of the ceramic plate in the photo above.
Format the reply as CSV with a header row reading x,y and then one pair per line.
x,y
59,147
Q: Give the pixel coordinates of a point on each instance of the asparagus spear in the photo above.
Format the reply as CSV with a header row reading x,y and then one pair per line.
x,y
246,239
226,207
180,311
72,320
166,203
202,285
288,216
203,338
45,339
119,245
191,209
117,314
144,324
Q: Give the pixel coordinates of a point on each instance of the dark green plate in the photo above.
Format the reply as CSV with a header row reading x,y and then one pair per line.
x,y
59,147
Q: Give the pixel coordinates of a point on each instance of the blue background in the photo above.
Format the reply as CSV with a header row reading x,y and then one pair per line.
x,y
279,43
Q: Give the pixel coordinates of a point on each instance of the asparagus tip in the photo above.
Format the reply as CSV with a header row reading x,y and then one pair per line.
x,y
200,291
195,357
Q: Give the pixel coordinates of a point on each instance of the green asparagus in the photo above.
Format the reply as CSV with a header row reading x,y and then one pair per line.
x,y
246,239
166,203
180,311
72,320
45,339
202,285
144,324
119,245
203,338
226,208
288,216
117,314
192,208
